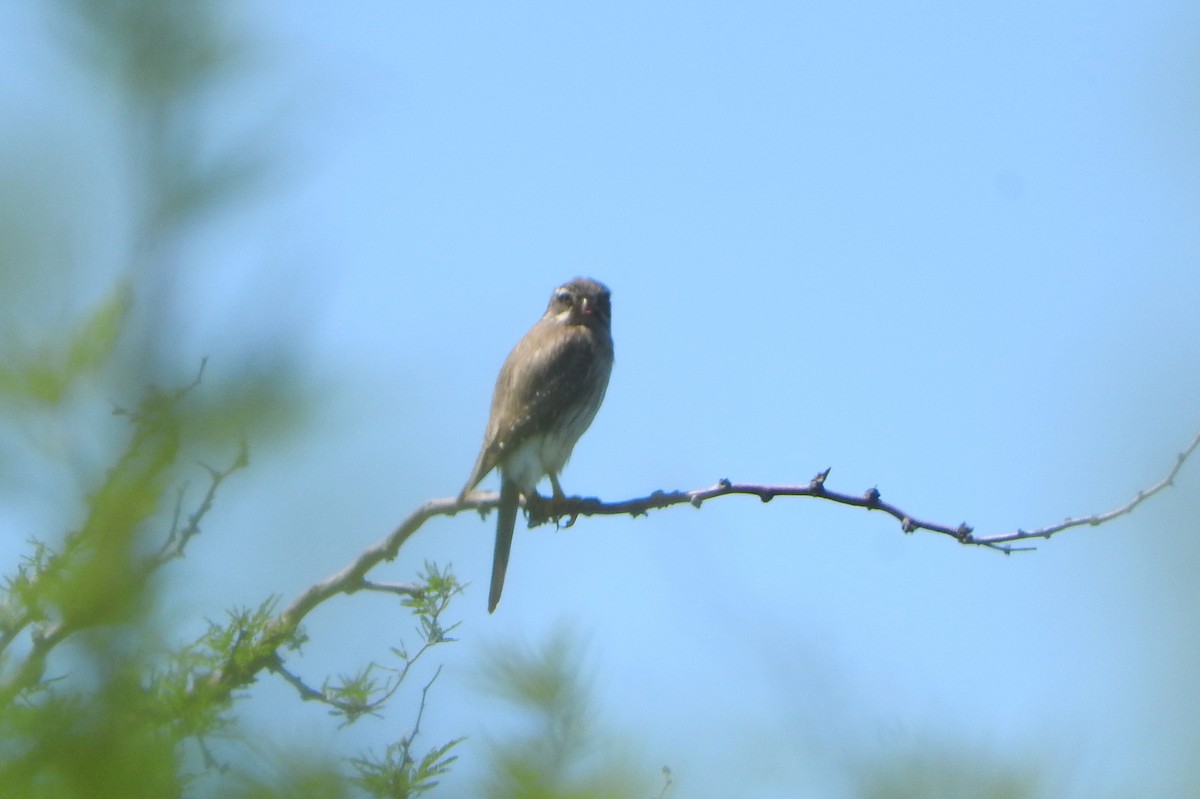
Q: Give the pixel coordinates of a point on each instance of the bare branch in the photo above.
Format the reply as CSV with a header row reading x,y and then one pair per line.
x,y
352,577
350,709
179,536
32,668
401,589
1097,518
306,691
421,710
543,510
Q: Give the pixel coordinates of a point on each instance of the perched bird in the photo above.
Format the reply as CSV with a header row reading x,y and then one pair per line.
x,y
548,392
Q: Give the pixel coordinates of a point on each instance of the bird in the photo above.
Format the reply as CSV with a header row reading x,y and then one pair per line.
x,y
546,395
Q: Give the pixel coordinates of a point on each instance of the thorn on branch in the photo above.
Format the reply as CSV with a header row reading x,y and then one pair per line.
x,y
964,532
817,484
872,497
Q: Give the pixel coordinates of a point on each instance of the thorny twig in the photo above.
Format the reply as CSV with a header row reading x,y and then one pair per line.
x,y
352,577
542,510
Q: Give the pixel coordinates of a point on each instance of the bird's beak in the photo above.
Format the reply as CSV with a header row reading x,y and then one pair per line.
x,y
585,307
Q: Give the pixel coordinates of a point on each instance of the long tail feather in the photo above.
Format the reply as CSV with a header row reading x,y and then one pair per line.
x,y
505,523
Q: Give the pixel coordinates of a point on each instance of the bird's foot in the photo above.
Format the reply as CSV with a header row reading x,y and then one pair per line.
x,y
549,509
538,508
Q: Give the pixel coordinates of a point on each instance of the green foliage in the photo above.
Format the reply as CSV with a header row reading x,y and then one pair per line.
x,y
183,689
97,575
397,775
165,56
399,772
932,771
298,778
46,373
367,691
562,756
114,718
95,699
106,721
95,744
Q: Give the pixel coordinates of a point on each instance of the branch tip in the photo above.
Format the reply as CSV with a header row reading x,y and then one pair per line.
x,y
285,630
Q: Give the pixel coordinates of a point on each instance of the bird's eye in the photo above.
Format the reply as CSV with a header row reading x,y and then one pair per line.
x,y
563,296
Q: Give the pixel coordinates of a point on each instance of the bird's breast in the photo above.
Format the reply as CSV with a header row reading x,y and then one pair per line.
x,y
523,465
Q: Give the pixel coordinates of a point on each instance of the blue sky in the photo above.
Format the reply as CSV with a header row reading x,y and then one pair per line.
x,y
947,249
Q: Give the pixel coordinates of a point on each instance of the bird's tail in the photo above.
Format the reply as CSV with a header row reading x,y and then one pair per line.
x,y
506,521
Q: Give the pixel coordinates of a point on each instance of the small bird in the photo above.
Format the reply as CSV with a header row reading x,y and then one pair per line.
x,y
548,392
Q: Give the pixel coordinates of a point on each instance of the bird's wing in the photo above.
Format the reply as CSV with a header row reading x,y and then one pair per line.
x,y
544,378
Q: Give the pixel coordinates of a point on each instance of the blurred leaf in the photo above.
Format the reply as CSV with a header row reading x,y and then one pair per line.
x,y
266,398
95,339
397,776
564,756
160,48
48,374
933,771
88,746
294,777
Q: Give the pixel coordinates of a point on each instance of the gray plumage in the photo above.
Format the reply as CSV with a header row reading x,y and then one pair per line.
x,y
546,395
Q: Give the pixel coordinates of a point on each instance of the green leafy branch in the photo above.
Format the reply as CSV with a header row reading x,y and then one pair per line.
x,y
97,575
354,696
397,773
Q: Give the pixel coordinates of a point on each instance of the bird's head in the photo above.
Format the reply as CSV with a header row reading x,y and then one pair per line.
x,y
582,301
